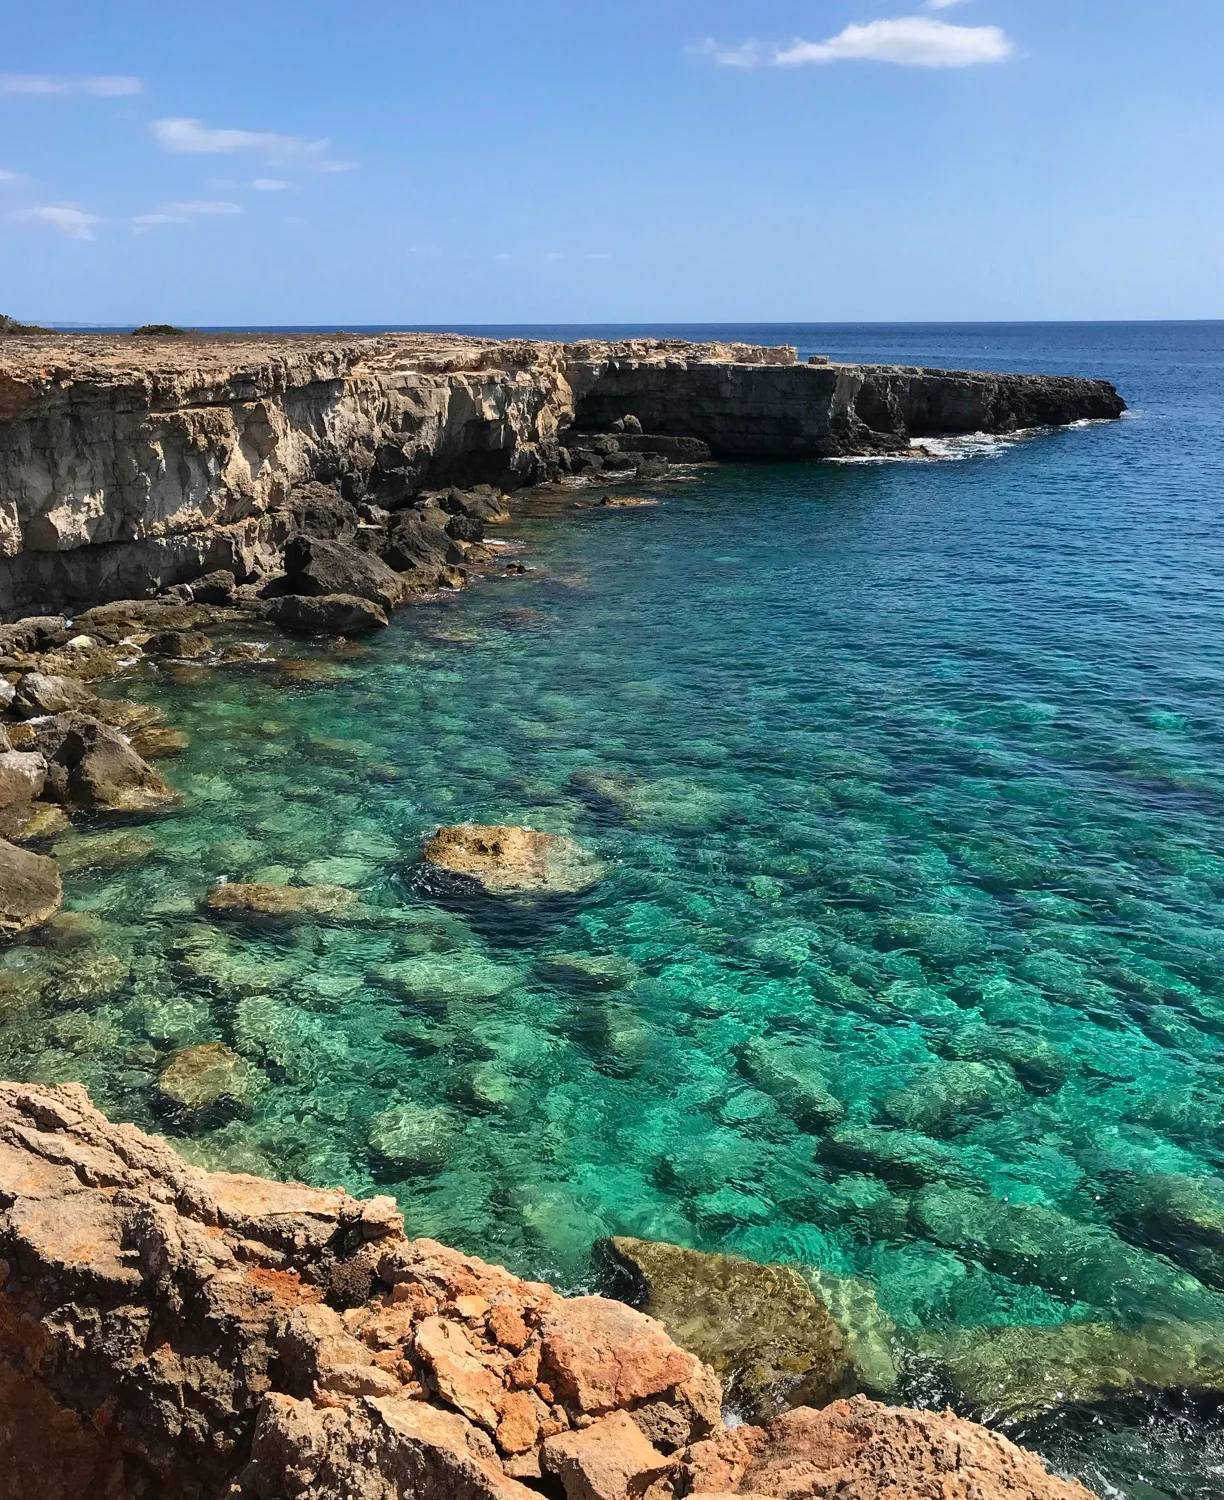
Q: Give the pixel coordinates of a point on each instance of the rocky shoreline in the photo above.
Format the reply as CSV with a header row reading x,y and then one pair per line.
x,y
169,1331
174,1331
128,467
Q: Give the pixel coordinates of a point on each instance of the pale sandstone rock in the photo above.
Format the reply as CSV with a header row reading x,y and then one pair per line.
x,y
30,888
200,1077
505,860
279,903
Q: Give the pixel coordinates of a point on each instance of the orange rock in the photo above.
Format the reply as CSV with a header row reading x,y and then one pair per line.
x,y
599,1354
860,1450
610,1460
525,1370
519,1427
508,1326
458,1374
471,1306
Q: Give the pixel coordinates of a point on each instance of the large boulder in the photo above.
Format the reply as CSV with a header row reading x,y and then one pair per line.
x,y
316,568
91,766
762,1329
30,889
39,694
328,614
789,1070
418,538
506,860
23,775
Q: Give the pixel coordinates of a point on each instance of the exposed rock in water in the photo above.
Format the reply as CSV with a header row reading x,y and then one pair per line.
x,y
23,774
181,645
326,614
91,766
203,1077
280,903
30,889
505,860
321,568
24,821
763,1330
159,741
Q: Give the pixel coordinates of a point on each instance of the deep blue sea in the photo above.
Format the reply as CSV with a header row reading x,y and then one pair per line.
x,y
911,780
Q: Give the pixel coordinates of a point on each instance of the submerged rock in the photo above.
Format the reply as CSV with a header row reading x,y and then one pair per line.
x,y
22,822
412,1138
788,1071
505,860
1067,1257
761,1328
280,903
438,979
1181,1217
1024,1371
93,767
30,888
946,1096
901,1158
587,971
201,1078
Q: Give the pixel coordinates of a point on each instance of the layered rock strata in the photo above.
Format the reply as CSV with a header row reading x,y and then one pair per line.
x,y
125,467
168,1331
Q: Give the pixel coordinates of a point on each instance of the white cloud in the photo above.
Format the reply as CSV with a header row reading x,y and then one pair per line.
x,y
270,184
47,85
184,213
70,221
6,176
190,136
943,4
909,41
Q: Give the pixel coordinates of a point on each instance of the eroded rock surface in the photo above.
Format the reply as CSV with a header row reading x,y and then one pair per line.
x,y
505,860
129,466
166,1331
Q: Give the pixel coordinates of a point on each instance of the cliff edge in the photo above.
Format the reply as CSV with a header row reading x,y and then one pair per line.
x,y
128,465
166,1331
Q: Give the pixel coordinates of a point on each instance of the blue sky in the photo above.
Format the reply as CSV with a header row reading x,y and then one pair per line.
x,y
378,162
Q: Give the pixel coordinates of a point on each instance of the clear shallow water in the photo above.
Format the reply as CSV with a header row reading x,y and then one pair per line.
x,y
911,778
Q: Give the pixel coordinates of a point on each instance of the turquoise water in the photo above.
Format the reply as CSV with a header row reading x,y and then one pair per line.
x,y
910,778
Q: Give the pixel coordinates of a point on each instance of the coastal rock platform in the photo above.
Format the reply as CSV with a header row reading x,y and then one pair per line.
x,y
169,1331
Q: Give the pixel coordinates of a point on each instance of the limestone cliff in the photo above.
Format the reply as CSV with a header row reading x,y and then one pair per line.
x,y
128,465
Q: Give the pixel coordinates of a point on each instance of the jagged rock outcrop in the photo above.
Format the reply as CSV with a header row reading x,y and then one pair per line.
x,y
170,1332
126,466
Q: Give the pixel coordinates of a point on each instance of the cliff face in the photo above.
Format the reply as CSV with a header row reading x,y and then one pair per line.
x,y
127,465
166,1331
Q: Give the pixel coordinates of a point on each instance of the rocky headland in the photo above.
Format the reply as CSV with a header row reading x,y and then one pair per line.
x,y
128,466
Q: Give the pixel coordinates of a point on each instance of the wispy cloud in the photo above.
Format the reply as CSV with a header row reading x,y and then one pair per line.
x,y
7,176
943,4
73,222
908,41
185,213
270,184
50,85
189,136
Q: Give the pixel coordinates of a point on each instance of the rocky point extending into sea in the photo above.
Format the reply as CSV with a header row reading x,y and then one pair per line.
x,y
164,1330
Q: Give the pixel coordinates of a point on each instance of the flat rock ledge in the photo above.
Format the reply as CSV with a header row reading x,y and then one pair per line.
x,y
166,1331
